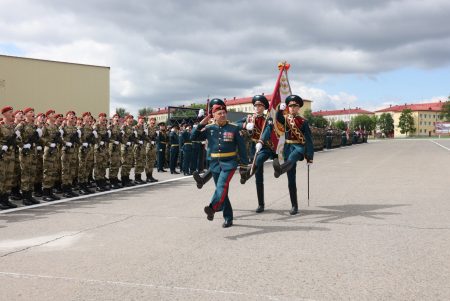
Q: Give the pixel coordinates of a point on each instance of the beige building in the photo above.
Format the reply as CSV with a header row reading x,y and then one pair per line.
x,y
61,86
345,115
425,116
161,115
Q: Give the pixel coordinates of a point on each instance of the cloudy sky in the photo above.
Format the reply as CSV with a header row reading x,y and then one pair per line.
x,y
343,53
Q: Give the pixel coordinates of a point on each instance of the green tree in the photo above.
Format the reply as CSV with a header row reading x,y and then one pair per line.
x,y
386,123
198,106
317,121
445,113
122,112
406,122
145,111
340,124
363,122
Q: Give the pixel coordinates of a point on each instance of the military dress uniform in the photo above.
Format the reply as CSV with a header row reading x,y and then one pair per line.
x,y
174,141
127,159
223,141
298,146
139,152
260,131
150,153
114,155
51,138
161,144
186,146
101,154
7,156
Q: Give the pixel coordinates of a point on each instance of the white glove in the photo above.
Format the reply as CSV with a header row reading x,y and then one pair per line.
x,y
61,132
201,113
69,144
258,146
95,133
172,130
194,126
102,143
141,142
79,134
122,132
250,126
116,142
85,144
109,133
146,131
4,148
153,143
18,134
135,133
27,146
39,148
282,106
52,145
128,143
157,133
39,131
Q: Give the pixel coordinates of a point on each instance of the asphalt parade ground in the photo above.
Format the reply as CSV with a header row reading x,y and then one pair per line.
x,y
377,228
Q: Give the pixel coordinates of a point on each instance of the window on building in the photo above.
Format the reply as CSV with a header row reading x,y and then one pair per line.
x,y
420,115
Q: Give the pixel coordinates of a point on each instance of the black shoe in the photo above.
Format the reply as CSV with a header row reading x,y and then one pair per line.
x,y
37,190
66,193
28,198
84,190
198,179
175,172
5,201
15,194
58,187
209,213
260,209
138,179
227,223
100,186
293,211
114,183
163,170
245,174
54,197
46,195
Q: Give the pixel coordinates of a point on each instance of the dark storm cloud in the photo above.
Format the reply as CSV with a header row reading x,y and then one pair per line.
x,y
176,51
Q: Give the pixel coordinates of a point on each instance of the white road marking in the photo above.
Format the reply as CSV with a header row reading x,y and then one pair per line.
x,y
438,144
148,285
90,195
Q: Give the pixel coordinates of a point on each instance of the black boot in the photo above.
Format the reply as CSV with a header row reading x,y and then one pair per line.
x,y
260,194
84,190
138,179
293,195
38,190
100,186
209,213
58,187
6,203
114,183
15,194
281,169
245,174
28,198
106,185
2,205
55,198
66,193
202,179
126,182
71,192
46,195
150,177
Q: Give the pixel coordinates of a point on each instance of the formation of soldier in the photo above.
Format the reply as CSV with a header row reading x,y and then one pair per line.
x,y
50,155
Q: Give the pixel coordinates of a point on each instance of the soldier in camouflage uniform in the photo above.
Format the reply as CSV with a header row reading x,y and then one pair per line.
x,y
51,138
71,137
87,141
151,150
37,189
30,135
127,159
101,152
58,183
141,134
7,143
91,157
114,152
15,190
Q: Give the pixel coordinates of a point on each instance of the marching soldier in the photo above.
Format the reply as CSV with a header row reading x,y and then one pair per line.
x,y
38,178
298,145
186,147
101,152
174,140
139,149
151,150
30,135
52,139
7,157
71,138
128,140
259,130
87,141
223,140
15,191
114,152
161,143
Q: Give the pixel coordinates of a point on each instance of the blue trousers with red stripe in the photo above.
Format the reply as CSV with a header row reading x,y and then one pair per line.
x,y
220,200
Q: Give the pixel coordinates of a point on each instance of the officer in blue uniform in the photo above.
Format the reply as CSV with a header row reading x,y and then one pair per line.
x,y
174,141
161,143
186,147
298,145
260,131
223,142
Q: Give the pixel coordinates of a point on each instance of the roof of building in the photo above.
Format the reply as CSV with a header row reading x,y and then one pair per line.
x,y
342,112
431,106
50,61
159,112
